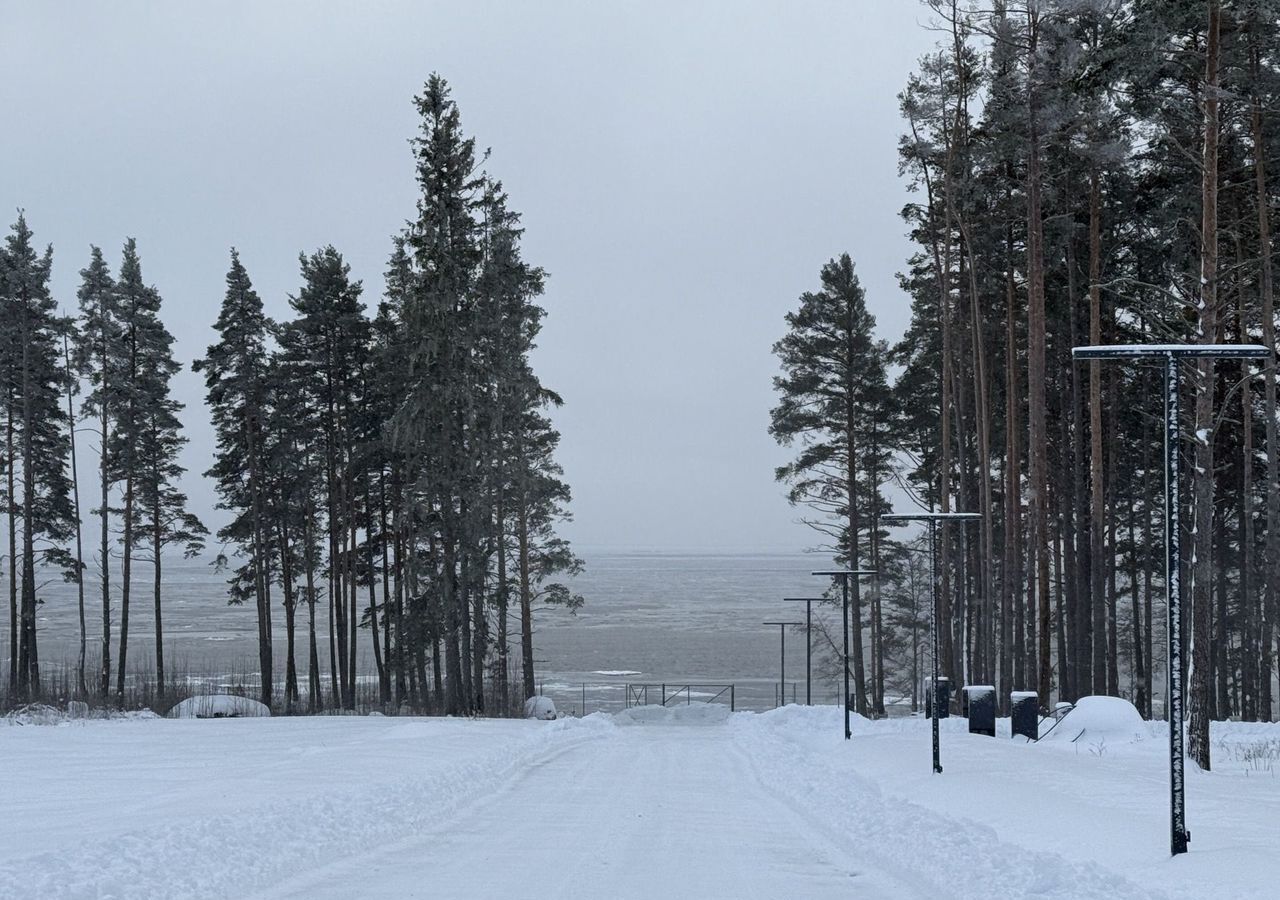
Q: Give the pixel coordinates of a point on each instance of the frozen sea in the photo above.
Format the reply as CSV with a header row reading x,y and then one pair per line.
x,y
649,617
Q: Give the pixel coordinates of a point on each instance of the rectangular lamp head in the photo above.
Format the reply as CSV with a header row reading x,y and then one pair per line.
x,y
1193,351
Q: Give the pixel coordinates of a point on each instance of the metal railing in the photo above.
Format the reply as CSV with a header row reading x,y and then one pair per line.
x,y
638,694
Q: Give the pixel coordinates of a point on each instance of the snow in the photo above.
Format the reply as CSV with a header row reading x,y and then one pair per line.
x,y
539,708
697,802
616,673
1110,719
218,706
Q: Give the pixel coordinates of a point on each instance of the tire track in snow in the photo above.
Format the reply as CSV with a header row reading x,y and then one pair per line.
x,y
232,856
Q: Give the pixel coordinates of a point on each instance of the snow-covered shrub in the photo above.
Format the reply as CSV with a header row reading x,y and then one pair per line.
x,y
539,708
218,706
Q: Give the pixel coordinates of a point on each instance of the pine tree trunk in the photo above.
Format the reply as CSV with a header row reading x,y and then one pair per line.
x,y
315,700
1037,445
1097,503
384,692
28,664
1251,637
126,573
388,602
504,671
13,545
353,616
261,553
455,698
290,611
1202,479
852,524
1142,699
1012,627
157,542
104,684
1077,668
82,687
1271,556
526,598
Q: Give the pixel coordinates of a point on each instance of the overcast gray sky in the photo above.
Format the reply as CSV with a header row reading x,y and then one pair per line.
x,y
684,170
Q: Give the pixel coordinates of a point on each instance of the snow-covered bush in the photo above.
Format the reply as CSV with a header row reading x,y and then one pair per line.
x,y
218,706
1099,722
539,708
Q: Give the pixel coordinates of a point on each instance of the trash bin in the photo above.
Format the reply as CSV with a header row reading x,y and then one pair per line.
x,y
1024,708
981,702
942,697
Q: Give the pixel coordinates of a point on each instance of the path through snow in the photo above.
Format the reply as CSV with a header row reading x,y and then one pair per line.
x,y
690,802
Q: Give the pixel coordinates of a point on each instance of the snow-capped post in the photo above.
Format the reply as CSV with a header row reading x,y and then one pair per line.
x,y
933,518
1024,712
1170,354
981,701
782,663
844,575
808,642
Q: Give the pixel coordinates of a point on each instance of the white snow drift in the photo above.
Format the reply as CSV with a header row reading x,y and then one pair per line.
x,y
741,805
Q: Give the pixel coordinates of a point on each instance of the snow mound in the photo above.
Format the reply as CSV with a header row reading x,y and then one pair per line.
x,y
681,714
35,714
218,706
1111,719
539,708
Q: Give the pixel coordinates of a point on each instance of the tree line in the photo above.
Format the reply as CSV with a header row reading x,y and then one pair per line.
x,y
388,472
1083,172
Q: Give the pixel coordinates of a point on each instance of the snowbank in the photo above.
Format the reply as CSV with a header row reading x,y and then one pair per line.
x,y
219,706
1094,720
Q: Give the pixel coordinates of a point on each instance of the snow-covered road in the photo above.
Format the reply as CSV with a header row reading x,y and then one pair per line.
x,y
656,811
663,803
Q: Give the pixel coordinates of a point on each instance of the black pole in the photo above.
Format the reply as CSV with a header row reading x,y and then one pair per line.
x,y
808,637
1171,354
933,627
808,653
1173,578
782,663
848,732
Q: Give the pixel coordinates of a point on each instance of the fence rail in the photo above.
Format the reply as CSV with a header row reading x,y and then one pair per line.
x,y
583,698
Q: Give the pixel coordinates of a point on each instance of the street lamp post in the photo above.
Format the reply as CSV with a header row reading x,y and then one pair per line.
x,y
808,639
933,519
782,663
844,575
1170,354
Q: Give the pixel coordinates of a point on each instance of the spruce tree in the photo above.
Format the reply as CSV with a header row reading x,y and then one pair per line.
x,y
155,508
329,343
236,379
98,355
40,433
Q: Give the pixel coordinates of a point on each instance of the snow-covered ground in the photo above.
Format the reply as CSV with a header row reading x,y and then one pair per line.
x,y
687,802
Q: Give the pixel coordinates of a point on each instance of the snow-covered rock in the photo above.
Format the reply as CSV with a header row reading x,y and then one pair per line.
x,y
539,708
218,706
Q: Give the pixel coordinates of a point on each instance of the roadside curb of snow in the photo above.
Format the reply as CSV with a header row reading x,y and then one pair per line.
x,y
236,855
956,857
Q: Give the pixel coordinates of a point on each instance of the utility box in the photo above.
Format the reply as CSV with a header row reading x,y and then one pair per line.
x,y
942,697
981,702
1024,709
